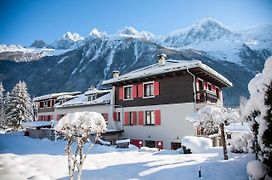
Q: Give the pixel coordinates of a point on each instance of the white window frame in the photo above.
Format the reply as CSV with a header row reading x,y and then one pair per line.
x,y
145,118
208,87
128,86
216,87
143,90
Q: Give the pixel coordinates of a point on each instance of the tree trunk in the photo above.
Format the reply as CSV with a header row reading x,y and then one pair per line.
x,y
223,140
70,154
80,166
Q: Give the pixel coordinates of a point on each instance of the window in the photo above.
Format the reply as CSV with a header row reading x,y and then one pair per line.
x,y
175,145
201,85
130,120
228,136
217,92
118,118
150,117
128,92
150,144
92,97
41,104
209,87
149,89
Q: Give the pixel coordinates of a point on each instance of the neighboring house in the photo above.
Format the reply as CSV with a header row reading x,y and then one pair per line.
x,y
154,100
236,130
93,100
45,104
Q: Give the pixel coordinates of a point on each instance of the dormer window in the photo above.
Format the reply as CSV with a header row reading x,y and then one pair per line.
x,y
149,89
92,97
127,92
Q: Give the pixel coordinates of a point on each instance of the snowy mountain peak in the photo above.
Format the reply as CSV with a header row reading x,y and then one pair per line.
x,y
206,29
132,32
72,36
128,31
94,32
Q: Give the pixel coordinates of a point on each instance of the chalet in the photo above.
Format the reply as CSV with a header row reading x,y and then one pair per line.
x,y
149,105
154,100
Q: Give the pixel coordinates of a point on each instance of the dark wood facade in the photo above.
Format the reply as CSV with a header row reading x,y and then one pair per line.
x,y
173,89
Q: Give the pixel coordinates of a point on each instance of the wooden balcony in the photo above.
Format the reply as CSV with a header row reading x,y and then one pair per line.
x,y
206,96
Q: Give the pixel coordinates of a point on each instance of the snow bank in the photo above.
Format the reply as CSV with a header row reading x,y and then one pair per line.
x,y
256,170
196,144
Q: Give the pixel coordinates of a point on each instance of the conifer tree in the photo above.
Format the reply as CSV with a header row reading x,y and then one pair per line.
x,y
19,106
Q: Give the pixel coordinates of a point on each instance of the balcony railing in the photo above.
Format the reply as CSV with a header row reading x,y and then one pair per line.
x,y
206,96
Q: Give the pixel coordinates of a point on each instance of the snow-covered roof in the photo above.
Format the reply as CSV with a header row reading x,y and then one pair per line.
x,y
97,91
237,127
170,66
82,100
65,97
55,95
36,124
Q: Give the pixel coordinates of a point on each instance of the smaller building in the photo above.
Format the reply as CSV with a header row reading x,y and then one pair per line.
x,y
45,104
235,130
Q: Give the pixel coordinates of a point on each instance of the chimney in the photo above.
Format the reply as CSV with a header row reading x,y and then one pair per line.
x,y
162,59
115,74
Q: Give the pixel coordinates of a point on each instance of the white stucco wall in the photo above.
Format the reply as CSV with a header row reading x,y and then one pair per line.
x,y
173,124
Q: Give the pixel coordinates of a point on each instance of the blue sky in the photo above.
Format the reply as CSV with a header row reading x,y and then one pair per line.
x,y
23,21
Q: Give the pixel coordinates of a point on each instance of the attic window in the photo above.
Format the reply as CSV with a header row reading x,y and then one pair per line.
x,y
92,97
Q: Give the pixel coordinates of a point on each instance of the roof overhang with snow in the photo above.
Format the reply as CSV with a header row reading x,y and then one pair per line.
x,y
56,95
172,67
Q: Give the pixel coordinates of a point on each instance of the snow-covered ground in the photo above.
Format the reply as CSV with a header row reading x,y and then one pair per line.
x,y
25,158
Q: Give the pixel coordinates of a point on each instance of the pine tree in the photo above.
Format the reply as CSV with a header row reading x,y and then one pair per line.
x,y
266,150
19,106
2,116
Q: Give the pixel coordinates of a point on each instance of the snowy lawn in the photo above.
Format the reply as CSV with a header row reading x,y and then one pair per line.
x,y
25,158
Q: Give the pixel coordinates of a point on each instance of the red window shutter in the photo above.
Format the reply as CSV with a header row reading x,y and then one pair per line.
x,y
156,88
134,118
141,118
126,118
157,117
205,85
115,116
140,90
121,93
105,115
213,88
58,116
51,117
159,144
134,91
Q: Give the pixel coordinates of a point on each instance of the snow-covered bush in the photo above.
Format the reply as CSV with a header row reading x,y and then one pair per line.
x,y
2,117
78,127
242,144
256,170
196,144
258,110
211,118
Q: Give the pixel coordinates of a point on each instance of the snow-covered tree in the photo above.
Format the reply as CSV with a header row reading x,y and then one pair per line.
x,y
2,114
78,127
211,119
258,111
19,105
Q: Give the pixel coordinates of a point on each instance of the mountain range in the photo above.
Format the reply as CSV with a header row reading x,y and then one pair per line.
x,y
75,63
